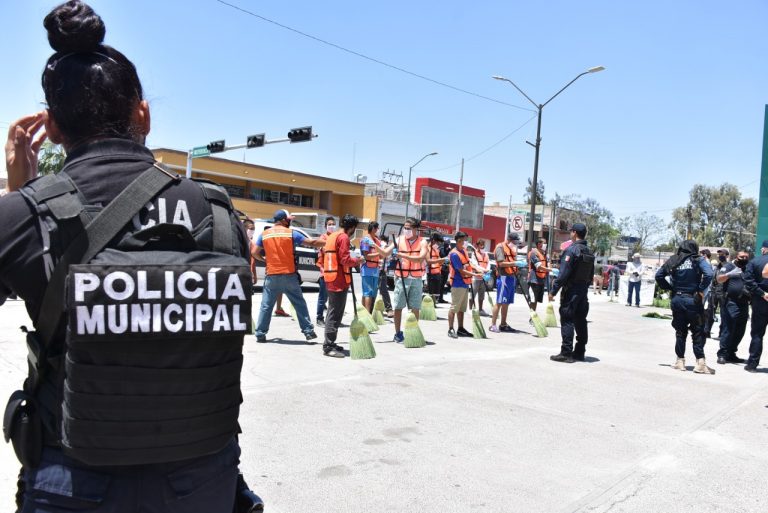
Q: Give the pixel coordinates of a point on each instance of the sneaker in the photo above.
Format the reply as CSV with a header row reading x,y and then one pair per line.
x,y
629,304
493,329
261,338
333,352
561,358
483,313
505,328
679,364
463,333
399,337
452,333
281,313
311,335
390,314
320,321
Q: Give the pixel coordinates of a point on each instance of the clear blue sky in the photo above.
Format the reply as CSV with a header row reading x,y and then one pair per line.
x,y
681,100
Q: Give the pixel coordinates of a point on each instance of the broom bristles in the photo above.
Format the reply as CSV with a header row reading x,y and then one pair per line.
x,y
478,331
379,305
427,312
550,321
413,335
361,345
367,319
378,317
541,330
253,326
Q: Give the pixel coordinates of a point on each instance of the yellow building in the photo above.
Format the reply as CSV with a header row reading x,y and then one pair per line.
x,y
258,191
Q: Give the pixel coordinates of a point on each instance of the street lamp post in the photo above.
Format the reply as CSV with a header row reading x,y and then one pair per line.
x,y
410,170
537,146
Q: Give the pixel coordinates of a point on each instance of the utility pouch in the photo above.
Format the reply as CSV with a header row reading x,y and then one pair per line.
x,y
23,428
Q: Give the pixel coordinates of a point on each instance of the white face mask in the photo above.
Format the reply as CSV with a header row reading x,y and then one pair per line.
x,y
512,244
543,247
408,233
250,233
330,228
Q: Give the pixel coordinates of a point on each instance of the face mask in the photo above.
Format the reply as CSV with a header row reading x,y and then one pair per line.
x,y
512,244
408,233
721,258
637,260
250,234
543,247
330,228
741,262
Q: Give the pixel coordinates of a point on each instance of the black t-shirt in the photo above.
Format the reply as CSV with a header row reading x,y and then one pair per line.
x,y
101,170
734,287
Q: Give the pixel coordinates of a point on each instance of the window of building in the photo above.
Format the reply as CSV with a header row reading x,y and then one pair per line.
x,y
299,200
440,207
234,191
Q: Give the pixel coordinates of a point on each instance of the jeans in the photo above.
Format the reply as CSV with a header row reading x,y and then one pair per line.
x,y
634,285
202,485
322,297
734,317
688,314
337,301
287,284
574,307
757,331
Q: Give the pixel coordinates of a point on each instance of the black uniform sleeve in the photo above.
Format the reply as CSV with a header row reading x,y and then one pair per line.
x,y
566,268
661,278
752,275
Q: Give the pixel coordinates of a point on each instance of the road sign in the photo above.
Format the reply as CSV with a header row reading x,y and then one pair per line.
x,y
518,223
200,151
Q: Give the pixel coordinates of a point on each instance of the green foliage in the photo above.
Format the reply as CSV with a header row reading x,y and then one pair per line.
x,y
51,158
662,303
647,228
539,192
601,229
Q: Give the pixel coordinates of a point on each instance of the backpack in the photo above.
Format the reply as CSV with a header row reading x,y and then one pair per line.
x,y
150,368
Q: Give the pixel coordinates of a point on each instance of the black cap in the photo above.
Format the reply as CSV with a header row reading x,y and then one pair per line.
x,y
578,227
513,236
765,244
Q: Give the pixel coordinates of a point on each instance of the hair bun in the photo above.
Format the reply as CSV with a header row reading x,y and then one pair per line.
x,y
74,27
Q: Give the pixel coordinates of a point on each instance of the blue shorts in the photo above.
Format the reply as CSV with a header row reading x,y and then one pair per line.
x,y
370,286
505,290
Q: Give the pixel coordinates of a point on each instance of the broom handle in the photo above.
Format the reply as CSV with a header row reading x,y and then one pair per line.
x,y
352,286
402,278
525,293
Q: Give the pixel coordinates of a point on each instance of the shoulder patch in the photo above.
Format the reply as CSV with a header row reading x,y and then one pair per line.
x,y
567,258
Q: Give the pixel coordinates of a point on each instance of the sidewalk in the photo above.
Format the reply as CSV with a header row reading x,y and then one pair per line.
x,y
488,425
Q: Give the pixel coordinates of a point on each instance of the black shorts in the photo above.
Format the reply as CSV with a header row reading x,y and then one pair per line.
x,y
537,291
434,283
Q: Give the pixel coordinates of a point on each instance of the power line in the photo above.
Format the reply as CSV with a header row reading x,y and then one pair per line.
x,y
366,57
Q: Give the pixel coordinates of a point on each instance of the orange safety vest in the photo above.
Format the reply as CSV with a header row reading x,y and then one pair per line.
x,y
482,259
409,269
434,268
279,251
540,273
464,264
320,253
331,260
510,255
372,258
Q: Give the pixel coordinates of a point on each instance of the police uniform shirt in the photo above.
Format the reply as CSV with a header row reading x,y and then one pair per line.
x,y
101,170
734,288
693,275
754,282
568,262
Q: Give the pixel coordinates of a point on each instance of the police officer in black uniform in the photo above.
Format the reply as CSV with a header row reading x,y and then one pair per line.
x,y
577,265
690,275
735,312
756,283
95,109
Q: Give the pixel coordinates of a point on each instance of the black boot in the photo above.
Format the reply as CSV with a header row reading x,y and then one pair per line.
x,y
245,500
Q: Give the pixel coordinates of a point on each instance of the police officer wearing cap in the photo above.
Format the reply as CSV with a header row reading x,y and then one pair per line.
x,y
735,312
690,276
577,265
756,283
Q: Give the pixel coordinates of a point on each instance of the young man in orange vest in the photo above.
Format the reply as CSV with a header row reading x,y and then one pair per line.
x,y
337,272
506,254
435,266
411,252
482,265
537,277
322,295
373,252
461,275
276,247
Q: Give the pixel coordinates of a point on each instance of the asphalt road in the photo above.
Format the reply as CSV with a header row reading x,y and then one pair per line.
x,y
488,425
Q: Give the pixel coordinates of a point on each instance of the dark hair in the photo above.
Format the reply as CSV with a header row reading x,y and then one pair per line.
x,y
541,240
372,226
385,238
436,237
460,235
415,223
581,233
349,221
249,222
91,89
329,219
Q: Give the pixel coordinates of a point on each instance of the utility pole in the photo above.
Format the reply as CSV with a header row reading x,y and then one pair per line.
x,y
509,218
689,215
458,206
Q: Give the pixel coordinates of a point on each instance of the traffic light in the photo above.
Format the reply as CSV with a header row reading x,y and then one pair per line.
x,y
254,141
300,134
216,146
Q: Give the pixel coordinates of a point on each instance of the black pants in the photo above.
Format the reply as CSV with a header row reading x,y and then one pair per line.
x,y
734,316
337,301
759,322
434,284
574,307
709,316
384,290
688,314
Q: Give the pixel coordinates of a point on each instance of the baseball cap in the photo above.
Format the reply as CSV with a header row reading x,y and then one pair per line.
x,y
282,214
765,244
578,227
513,236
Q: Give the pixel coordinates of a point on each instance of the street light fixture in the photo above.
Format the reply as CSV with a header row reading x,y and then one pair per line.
x,y
410,170
539,108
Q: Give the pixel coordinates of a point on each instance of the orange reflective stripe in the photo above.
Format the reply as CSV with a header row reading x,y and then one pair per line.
x,y
434,268
540,273
409,269
323,237
278,250
509,256
464,264
331,260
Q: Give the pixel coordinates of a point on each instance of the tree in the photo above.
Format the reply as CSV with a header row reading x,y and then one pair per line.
x,y
719,216
51,158
601,229
648,229
539,192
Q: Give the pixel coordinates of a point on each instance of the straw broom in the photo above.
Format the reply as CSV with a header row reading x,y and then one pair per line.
x,y
478,331
550,321
361,345
413,336
378,312
541,330
427,312
366,318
